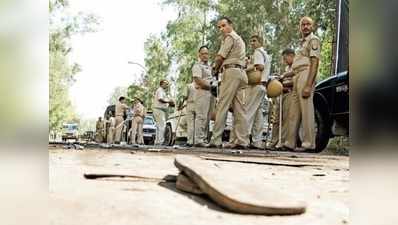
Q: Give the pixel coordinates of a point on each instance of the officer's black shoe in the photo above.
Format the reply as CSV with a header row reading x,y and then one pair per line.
x,y
186,145
200,145
286,149
255,147
214,146
239,147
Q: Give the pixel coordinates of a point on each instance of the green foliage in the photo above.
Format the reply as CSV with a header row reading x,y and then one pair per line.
x,y
61,70
276,21
325,68
117,92
157,62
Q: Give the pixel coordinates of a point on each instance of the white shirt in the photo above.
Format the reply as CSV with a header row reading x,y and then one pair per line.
x,y
160,94
258,59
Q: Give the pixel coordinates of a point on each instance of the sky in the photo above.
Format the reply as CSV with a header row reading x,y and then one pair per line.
x,y
103,56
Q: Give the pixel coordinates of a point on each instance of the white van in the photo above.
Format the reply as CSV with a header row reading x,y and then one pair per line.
x,y
70,131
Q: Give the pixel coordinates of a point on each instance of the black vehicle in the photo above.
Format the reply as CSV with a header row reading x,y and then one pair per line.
x,y
112,109
331,97
331,102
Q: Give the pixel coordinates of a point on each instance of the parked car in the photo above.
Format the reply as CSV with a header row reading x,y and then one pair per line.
x,y
331,102
149,129
70,131
176,127
172,133
88,136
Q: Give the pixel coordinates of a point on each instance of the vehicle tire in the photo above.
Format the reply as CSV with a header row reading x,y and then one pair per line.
x,y
151,142
168,135
323,132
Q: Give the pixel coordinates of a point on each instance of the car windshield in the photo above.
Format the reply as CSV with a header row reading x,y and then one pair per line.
x,y
148,121
70,127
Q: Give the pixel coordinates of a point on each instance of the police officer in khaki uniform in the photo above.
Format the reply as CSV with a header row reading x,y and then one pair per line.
x,y
305,66
256,92
120,108
99,130
137,123
287,81
230,60
111,130
201,73
190,113
160,104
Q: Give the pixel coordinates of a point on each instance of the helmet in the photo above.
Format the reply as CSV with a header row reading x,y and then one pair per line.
x,y
274,88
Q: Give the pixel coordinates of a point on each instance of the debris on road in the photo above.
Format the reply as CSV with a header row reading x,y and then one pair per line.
x,y
236,191
185,184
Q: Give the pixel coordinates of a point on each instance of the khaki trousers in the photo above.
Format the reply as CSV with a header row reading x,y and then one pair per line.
x,y
119,128
190,122
99,136
160,118
111,135
255,96
286,101
137,130
202,119
301,110
232,92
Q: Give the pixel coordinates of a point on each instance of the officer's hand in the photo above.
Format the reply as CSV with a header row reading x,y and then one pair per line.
x,y
307,92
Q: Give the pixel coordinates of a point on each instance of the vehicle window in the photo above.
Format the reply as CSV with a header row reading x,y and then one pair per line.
x,y
70,126
148,121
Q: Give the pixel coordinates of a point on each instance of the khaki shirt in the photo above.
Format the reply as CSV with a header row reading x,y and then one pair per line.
x,y
260,57
310,47
139,110
202,71
288,80
100,125
160,94
233,49
120,108
191,91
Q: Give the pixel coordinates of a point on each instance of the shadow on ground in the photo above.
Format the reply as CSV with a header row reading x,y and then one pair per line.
x,y
202,200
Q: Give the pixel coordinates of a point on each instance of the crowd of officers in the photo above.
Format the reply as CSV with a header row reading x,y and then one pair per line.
x,y
110,130
236,94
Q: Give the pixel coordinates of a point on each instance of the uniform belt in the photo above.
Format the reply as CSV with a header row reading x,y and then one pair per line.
x,y
228,66
120,115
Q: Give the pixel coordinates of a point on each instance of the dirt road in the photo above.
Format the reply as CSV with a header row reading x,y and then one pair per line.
x,y
320,180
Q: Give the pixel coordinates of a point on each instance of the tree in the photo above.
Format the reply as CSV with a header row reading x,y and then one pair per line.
x,y
117,92
276,21
61,70
157,61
